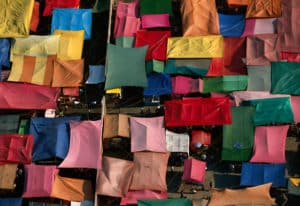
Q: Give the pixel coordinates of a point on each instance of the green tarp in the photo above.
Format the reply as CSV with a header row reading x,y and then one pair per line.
x,y
271,111
285,78
165,202
259,78
225,84
9,124
156,7
238,137
172,68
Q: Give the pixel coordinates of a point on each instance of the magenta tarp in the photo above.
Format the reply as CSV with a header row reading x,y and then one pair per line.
x,y
37,97
84,151
197,111
39,180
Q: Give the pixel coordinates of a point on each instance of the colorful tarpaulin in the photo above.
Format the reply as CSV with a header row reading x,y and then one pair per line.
x,y
15,18
85,140
194,170
257,174
197,111
269,144
32,69
72,20
193,10
115,177
39,180
195,47
11,94
225,84
238,137
284,78
70,44
16,148
150,166
166,202
120,71
271,110
148,134
259,195
51,137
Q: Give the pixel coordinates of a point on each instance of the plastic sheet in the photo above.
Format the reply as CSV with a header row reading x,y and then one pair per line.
x,y
177,142
72,20
51,4
259,78
285,78
155,21
148,134
259,195
238,137
120,71
194,10
194,170
32,69
257,174
115,177
288,28
232,62
39,180
70,44
16,148
269,144
271,111
195,47
262,49
134,195
158,84
11,93
263,9
156,41
68,73
85,144
15,18
197,111
51,137
231,25
150,166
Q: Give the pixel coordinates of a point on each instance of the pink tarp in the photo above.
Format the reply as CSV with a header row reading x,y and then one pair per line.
x,y
194,170
115,177
288,26
262,49
259,26
250,95
295,101
148,134
84,150
133,196
39,180
185,85
37,97
269,144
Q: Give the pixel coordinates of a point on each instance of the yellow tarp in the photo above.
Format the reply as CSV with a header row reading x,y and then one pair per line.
x,y
70,44
15,17
35,45
195,47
